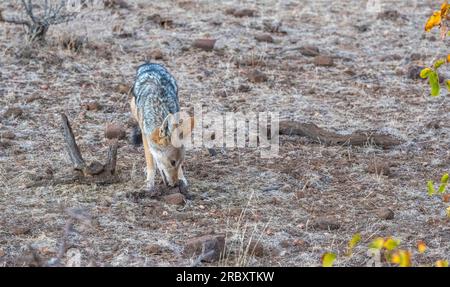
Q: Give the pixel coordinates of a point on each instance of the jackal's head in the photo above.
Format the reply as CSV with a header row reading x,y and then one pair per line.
x,y
167,145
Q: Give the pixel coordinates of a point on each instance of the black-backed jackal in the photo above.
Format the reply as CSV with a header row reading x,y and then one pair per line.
x,y
156,108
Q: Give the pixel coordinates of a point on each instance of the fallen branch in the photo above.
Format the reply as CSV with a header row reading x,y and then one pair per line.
x,y
82,173
323,136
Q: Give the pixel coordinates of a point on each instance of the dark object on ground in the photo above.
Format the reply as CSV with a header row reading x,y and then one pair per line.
x,y
320,135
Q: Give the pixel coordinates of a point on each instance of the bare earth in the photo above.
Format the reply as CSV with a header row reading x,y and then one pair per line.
x,y
275,202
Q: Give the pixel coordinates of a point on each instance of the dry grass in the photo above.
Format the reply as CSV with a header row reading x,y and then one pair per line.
x,y
366,89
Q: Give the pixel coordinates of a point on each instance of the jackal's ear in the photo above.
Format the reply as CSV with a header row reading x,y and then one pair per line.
x,y
158,137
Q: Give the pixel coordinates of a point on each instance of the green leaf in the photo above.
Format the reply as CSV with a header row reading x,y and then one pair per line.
x,y
391,244
353,242
377,243
328,259
444,178
434,83
439,63
442,188
447,84
430,187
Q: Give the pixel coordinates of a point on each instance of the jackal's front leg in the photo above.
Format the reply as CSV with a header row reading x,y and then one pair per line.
x,y
151,167
182,181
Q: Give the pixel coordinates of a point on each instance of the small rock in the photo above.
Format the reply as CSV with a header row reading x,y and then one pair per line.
x,y
413,72
122,88
326,223
244,88
323,61
2,253
211,245
385,213
156,54
114,131
257,76
95,168
391,15
435,124
264,38
20,230
8,135
13,113
153,249
92,106
174,199
32,98
415,57
309,51
379,168
240,12
256,249
204,44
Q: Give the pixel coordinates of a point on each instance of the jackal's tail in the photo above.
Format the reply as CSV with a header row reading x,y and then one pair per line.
x,y
136,136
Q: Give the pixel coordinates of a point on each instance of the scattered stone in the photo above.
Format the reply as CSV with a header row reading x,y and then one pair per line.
x,y
2,253
8,135
435,124
264,38
240,12
153,249
326,223
379,168
92,106
174,199
121,4
256,76
20,230
210,245
391,15
13,113
415,57
114,131
156,54
122,88
95,168
32,98
309,51
256,248
323,61
385,213
244,88
204,44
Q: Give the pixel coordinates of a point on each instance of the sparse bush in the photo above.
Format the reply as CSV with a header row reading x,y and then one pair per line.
x,y
438,19
40,20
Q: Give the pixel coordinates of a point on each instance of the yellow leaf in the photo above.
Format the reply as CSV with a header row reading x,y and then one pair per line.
x,y
421,246
433,21
402,258
355,240
328,259
425,72
377,243
441,263
448,58
448,211
444,9
391,244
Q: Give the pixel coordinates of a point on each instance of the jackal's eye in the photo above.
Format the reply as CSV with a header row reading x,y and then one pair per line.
x,y
173,163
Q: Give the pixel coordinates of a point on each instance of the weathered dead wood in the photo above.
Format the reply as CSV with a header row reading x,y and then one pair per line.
x,y
71,145
323,136
82,173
